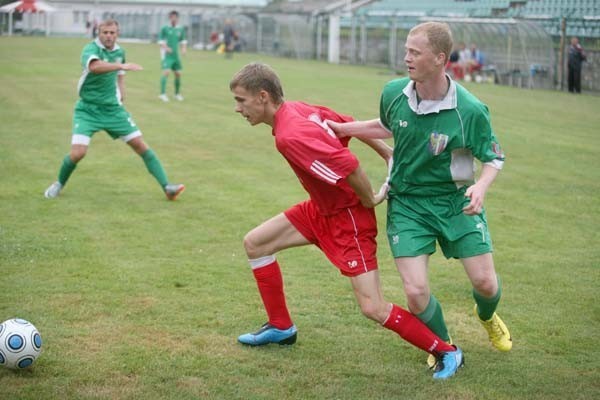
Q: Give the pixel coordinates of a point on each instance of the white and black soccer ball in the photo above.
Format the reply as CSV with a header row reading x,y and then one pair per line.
x,y
20,343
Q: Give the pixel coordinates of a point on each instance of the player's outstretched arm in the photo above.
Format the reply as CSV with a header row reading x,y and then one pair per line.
x,y
102,67
359,181
370,129
387,153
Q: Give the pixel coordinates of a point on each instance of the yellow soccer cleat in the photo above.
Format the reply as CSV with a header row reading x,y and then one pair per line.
x,y
497,332
431,360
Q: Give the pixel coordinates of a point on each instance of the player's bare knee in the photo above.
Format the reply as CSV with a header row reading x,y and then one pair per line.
x,y
252,247
373,309
370,310
416,293
486,286
77,155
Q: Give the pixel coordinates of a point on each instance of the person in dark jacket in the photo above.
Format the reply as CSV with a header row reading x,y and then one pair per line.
x,y
576,58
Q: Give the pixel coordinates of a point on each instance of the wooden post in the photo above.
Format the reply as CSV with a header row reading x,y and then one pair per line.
x,y
561,53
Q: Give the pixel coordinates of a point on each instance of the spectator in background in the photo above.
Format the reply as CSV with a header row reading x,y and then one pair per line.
x,y
576,58
454,66
229,37
464,57
476,60
94,28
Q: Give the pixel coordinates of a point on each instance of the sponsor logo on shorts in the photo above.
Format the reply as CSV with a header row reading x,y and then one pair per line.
x,y
353,264
402,124
395,239
437,143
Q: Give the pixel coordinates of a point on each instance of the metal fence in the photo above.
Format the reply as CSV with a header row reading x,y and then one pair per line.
x,y
517,52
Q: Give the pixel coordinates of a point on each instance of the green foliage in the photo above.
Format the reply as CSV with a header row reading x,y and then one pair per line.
x,y
140,298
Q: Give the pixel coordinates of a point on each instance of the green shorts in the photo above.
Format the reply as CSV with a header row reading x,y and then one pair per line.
x,y
172,63
414,224
90,118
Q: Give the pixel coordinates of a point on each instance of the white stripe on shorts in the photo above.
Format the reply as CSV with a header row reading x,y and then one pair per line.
x,y
362,256
131,136
80,139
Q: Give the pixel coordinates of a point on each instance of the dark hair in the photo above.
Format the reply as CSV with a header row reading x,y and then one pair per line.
x,y
255,77
174,13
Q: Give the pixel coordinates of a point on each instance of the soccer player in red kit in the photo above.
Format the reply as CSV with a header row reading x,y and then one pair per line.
x,y
338,218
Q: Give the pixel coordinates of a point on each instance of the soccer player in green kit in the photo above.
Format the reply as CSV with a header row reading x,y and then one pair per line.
x,y
171,37
100,107
438,129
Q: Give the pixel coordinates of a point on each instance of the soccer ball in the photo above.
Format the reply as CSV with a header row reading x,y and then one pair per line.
x,y
20,343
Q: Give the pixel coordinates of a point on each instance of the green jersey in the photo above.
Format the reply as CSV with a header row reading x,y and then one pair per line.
x,y
172,36
100,89
435,142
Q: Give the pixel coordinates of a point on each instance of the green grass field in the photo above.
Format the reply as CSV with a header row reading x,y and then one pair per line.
x,y
140,298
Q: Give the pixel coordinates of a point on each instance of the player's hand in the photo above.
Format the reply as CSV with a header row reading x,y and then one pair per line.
x,y
183,50
380,196
131,67
476,193
336,127
168,50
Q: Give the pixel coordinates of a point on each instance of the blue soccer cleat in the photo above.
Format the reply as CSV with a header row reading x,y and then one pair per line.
x,y
448,363
269,334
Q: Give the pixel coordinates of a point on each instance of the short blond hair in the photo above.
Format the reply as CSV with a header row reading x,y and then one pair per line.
x,y
255,77
108,22
438,35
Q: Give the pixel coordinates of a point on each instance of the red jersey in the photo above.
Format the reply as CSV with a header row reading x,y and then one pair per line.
x,y
320,160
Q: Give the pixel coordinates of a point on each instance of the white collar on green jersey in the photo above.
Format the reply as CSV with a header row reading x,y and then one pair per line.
x,y
99,44
430,106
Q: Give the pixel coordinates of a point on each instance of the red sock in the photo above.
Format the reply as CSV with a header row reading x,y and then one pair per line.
x,y
414,331
270,286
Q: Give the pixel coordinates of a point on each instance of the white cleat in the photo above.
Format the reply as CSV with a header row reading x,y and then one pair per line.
x,y
53,190
179,97
164,97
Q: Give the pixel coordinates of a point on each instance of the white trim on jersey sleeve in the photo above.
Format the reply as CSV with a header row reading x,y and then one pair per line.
x,y
89,60
183,41
498,164
324,172
383,126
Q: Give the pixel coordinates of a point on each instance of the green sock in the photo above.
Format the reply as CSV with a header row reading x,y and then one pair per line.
x,y
177,84
163,84
66,169
433,317
155,167
487,306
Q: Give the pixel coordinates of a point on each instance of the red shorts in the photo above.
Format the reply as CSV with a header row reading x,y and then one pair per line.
x,y
347,238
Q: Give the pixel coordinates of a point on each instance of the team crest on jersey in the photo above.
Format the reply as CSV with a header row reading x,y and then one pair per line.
x,y
119,60
437,143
